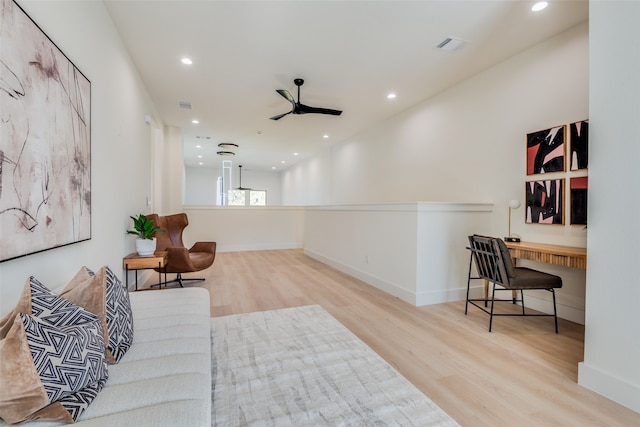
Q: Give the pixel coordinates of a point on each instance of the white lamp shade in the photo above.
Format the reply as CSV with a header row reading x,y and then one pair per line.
x,y
514,204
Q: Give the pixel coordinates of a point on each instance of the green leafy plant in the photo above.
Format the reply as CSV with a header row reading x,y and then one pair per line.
x,y
144,228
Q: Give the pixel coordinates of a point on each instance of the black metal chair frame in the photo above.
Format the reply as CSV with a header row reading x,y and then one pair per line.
x,y
490,267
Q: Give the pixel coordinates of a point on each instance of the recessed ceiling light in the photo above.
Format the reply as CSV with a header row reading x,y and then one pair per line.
x,y
273,167
186,61
325,136
201,163
295,154
199,156
539,6
391,96
198,146
195,121
282,161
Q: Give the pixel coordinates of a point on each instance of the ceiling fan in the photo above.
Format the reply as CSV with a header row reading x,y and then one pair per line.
x,y
299,108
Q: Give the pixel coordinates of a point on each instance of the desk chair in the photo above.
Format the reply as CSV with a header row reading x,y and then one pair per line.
x,y
493,263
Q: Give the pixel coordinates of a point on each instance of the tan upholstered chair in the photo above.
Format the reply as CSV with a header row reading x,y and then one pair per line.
x,y
180,259
493,263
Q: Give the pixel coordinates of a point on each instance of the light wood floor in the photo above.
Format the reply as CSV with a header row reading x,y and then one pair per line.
x,y
521,374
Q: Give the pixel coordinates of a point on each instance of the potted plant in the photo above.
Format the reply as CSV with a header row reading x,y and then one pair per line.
x,y
146,231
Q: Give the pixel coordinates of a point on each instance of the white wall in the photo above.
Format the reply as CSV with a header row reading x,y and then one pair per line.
x,y
468,145
612,341
308,183
414,251
200,186
200,183
236,228
120,137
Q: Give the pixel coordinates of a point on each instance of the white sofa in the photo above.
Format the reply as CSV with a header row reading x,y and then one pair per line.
x,y
164,379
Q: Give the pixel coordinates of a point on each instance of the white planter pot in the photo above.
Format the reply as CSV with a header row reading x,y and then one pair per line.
x,y
145,247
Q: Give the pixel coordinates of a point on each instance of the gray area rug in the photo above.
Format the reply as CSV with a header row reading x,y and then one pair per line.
x,y
301,367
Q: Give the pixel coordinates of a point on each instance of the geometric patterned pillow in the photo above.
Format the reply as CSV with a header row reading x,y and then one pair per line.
x,y
105,296
52,308
119,316
68,359
22,394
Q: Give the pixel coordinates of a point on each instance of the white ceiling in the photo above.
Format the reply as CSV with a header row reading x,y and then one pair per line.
x,y
350,53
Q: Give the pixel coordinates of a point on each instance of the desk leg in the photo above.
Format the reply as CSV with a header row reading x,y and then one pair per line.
x,y
159,275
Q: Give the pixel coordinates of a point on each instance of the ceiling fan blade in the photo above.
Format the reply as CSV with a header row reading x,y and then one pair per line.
x,y
287,95
279,116
306,109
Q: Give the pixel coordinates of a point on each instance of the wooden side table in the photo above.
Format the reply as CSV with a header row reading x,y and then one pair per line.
x,y
136,262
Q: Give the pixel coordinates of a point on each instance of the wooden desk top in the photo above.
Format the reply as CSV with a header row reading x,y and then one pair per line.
x,y
569,256
544,247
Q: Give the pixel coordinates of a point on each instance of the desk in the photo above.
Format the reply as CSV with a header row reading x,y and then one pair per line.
x,y
567,256
136,262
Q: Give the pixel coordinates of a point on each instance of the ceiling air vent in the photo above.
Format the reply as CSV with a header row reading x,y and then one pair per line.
x,y
185,105
450,43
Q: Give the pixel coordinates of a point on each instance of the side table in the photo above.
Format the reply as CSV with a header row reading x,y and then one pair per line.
x,y
136,262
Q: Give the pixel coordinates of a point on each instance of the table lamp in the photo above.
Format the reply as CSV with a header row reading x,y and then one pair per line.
x,y
513,204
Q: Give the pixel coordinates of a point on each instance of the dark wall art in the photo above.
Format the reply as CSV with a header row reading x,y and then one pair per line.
x,y
578,194
544,202
45,144
579,134
546,151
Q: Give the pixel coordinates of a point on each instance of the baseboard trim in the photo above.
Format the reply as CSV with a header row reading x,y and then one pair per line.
x,y
608,386
258,247
374,281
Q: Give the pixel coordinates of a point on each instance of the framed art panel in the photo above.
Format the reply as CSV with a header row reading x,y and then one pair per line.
x,y
579,142
578,195
546,151
45,144
544,202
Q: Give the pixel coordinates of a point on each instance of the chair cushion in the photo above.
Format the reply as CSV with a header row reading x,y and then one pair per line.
x,y
526,278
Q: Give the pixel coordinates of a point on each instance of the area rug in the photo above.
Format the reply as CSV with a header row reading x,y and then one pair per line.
x,y
301,367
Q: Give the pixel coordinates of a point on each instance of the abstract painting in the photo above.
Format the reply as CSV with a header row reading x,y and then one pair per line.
x,y
545,151
578,193
45,141
579,133
544,202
